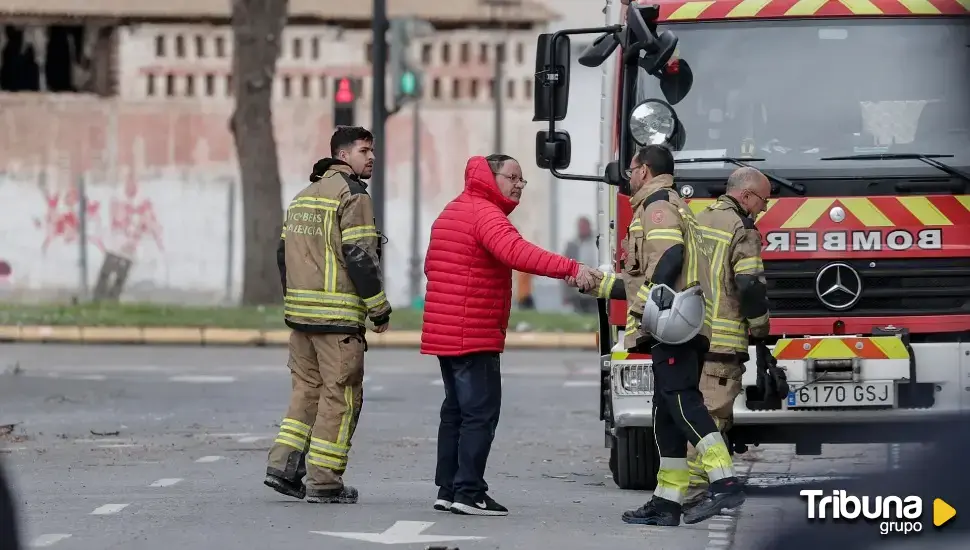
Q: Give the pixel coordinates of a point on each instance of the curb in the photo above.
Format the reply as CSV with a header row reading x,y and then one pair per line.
x,y
189,336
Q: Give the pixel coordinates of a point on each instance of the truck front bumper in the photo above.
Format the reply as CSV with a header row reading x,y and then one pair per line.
x,y
945,366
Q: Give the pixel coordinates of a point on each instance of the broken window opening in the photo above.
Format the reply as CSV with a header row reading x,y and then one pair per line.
x,y
56,58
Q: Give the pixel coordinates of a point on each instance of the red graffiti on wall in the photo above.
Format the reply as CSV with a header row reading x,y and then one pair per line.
x,y
62,221
133,218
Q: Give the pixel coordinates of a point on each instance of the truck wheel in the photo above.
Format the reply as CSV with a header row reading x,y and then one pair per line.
x,y
637,462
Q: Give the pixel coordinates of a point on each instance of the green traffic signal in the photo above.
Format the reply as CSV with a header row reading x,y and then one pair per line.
x,y
408,83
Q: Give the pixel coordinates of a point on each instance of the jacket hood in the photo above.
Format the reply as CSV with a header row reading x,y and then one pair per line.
x,y
323,165
480,182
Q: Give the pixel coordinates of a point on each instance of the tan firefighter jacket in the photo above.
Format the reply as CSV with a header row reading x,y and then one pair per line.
x,y
662,245
330,256
737,275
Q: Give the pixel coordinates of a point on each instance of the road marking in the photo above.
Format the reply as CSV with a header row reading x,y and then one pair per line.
x,y
202,379
166,482
103,440
375,388
717,535
108,509
438,382
117,446
402,532
209,459
252,438
719,526
49,540
240,434
581,383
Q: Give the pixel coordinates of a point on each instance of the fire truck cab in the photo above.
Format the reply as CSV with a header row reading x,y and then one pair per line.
x,y
858,111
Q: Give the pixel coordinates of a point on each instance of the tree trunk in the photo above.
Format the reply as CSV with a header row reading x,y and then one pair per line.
x,y
257,28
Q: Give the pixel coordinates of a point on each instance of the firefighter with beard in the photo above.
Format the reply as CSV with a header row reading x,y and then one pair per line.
x,y
329,260
740,301
666,283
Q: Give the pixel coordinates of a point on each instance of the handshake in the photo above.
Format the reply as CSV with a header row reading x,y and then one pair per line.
x,y
586,280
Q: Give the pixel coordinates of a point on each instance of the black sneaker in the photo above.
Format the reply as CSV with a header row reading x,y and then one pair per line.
x,y
654,513
344,495
444,500
282,486
714,502
482,506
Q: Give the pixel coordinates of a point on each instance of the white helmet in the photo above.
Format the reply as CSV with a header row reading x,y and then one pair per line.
x,y
674,317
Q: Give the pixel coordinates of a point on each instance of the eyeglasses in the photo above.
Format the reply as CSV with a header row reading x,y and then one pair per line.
x,y
629,171
763,199
513,178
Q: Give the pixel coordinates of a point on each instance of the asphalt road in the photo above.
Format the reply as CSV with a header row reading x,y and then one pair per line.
x,y
158,448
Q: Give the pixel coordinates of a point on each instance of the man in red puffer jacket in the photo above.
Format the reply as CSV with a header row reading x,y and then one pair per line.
x,y
473,250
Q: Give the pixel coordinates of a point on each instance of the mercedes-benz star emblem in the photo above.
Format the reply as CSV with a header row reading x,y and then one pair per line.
x,y
838,286
837,214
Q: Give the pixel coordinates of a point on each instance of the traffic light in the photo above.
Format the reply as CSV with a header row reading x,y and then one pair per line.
x,y
344,101
406,78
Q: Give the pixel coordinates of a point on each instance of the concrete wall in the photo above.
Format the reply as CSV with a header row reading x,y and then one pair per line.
x,y
159,166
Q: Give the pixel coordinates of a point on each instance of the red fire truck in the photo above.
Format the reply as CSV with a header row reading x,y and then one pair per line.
x,y
858,111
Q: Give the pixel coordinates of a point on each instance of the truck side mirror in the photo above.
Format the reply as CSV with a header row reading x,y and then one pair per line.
x,y
553,151
613,175
676,78
600,50
552,73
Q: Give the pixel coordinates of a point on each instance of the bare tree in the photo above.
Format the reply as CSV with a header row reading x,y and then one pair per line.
x,y
257,28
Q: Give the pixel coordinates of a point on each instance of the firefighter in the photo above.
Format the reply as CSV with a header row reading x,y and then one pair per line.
x,y
329,260
740,300
666,281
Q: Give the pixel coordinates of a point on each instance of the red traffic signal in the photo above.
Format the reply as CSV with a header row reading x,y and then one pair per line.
x,y
345,91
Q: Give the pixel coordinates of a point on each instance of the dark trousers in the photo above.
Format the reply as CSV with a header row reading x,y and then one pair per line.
x,y
679,413
469,416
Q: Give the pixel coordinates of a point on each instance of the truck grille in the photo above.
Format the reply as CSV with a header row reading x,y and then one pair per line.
x,y
889,287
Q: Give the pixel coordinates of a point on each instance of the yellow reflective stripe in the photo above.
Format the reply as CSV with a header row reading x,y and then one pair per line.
x,y
603,291
808,213
716,234
321,298
323,461
665,235
296,426
644,291
866,212
335,449
316,203
861,7
748,8
375,301
920,7
290,441
635,226
806,7
690,10
729,326
329,256
358,232
343,435
924,210
749,265
632,325
332,313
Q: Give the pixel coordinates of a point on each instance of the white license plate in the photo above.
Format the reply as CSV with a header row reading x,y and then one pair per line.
x,y
868,394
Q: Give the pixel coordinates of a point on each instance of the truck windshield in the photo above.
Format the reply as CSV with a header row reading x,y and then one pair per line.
x,y
792,92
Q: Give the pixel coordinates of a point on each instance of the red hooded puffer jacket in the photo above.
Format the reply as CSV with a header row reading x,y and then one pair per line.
x,y
473,250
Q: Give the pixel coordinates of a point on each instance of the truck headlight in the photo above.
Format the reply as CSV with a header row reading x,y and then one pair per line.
x,y
635,379
652,122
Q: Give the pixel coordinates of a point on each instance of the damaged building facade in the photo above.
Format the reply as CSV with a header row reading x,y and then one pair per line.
x,y
114,133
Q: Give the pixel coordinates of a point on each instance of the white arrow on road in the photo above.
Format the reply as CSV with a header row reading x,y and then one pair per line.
x,y
402,532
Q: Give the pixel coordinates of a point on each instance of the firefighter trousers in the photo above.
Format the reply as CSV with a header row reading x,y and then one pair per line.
x,y
680,418
720,385
315,436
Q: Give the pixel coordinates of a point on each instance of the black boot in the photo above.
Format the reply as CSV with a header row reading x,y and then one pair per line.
x,y
294,489
344,495
657,511
724,494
